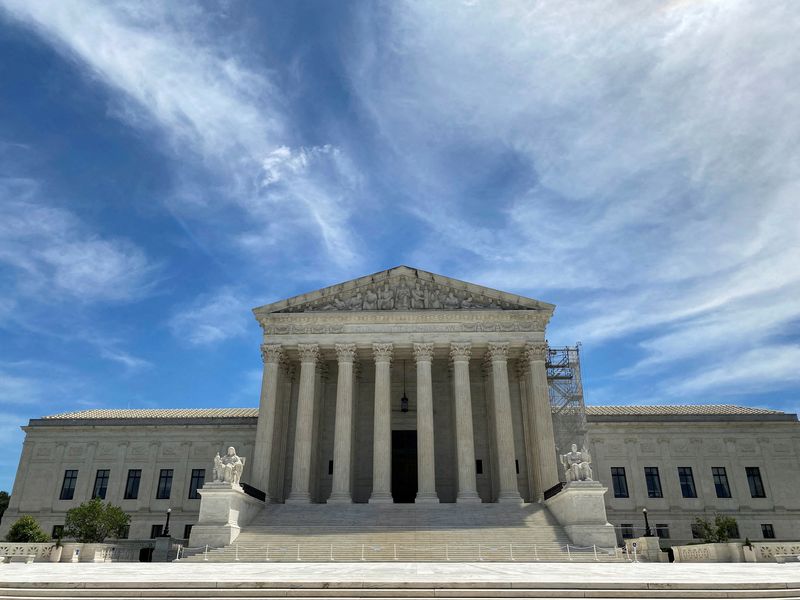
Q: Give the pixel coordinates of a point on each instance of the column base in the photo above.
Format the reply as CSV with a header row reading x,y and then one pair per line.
x,y
426,498
302,498
340,499
381,498
468,498
509,498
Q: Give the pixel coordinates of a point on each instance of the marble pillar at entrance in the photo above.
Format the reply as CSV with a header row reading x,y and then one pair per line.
x,y
304,429
382,430
504,428
426,469
544,439
465,444
265,444
343,425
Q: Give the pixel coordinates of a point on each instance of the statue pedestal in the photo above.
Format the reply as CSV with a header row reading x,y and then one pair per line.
x,y
224,508
581,510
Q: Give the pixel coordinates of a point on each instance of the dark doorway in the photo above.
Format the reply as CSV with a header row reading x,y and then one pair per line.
x,y
404,466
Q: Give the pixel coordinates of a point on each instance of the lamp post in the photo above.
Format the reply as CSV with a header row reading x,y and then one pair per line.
x,y
166,525
647,532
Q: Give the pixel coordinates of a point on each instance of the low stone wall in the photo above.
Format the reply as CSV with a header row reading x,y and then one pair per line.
x,y
766,551
117,551
41,552
727,552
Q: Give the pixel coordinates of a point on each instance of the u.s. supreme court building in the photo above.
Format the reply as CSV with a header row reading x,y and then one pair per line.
x,y
409,400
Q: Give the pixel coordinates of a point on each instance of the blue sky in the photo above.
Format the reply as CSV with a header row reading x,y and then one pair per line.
x,y
166,167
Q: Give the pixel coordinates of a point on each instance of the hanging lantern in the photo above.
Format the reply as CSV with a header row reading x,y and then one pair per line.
x,y
404,399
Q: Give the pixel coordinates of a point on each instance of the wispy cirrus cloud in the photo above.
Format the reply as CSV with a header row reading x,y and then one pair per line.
x,y
220,116
656,166
212,318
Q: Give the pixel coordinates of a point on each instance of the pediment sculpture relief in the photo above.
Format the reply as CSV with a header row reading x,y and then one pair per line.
x,y
403,294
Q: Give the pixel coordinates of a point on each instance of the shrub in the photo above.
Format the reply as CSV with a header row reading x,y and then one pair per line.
x,y
92,522
26,530
720,530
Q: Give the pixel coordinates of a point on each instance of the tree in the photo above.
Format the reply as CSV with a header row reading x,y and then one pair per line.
x,y
722,529
26,530
4,498
92,522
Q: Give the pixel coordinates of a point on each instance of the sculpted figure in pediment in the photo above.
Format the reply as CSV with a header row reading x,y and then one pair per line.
x,y
370,299
436,299
355,301
417,296
403,298
451,301
386,298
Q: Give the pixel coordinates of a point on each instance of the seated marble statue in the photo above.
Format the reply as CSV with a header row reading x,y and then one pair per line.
x,y
228,468
576,464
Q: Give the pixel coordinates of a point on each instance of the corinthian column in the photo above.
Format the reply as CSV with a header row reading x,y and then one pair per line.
x,y
465,444
343,429
382,431
504,428
535,356
303,432
265,448
426,468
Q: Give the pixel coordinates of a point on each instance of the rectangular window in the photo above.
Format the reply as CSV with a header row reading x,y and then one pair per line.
x,y
101,484
68,486
620,482
735,531
653,480
686,478
767,531
187,531
627,530
696,533
662,530
721,482
155,531
164,484
125,533
58,531
196,482
755,483
479,467
132,485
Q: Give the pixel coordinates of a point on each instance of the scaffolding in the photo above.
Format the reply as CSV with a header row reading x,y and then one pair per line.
x,y
566,398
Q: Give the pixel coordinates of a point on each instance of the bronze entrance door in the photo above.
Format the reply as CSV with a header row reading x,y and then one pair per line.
x,y
404,466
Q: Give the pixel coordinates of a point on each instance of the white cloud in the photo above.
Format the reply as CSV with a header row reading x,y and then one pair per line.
x,y
50,254
212,318
219,115
661,146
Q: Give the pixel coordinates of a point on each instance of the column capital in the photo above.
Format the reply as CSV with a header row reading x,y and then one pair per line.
x,y
460,351
309,353
271,353
536,351
498,351
345,353
423,351
382,352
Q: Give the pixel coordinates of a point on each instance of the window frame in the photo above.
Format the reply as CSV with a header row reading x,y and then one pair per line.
x,y
755,482
101,478
662,530
719,475
618,475
767,528
686,481
652,474
156,530
134,477
626,531
68,492
196,481
164,488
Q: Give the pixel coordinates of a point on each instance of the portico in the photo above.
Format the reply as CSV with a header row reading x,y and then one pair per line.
x,y
337,360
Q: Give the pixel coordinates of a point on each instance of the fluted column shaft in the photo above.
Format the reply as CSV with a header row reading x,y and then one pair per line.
x,y
265,447
504,427
304,428
465,444
343,427
535,355
426,466
382,431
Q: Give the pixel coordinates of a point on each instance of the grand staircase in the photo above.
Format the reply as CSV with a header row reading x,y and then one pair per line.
x,y
402,532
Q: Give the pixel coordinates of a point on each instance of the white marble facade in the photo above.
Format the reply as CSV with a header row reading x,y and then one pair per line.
x,y
470,360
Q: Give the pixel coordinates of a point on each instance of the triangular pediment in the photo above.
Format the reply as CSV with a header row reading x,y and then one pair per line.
x,y
403,288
